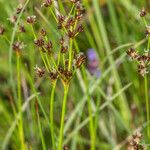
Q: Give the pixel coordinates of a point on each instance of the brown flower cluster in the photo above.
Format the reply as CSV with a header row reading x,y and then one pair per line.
x,y
134,143
142,60
69,61
18,46
2,30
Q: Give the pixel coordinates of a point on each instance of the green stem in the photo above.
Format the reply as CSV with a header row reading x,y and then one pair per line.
x,y
62,118
51,114
20,104
70,54
91,127
40,130
147,104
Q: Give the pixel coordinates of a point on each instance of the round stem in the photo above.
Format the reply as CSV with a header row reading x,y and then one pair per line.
x,y
63,118
147,104
51,114
20,104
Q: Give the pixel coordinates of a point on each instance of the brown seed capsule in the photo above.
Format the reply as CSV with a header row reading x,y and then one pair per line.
x,y
79,60
65,148
18,46
79,16
31,19
48,46
67,74
61,19
71,34
22,29
80,28
143,12
147,31
143,60
74,1
19,9
2,30
39,71
64,49
13,19
134,143
70,22
39,42
60,69
132,53
62,41
43,32
53,75
142,70
47,3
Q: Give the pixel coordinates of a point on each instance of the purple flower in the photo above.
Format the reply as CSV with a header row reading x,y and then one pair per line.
x,y
93,63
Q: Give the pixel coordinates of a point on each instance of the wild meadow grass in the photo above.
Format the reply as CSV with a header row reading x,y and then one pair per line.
x,y
74,75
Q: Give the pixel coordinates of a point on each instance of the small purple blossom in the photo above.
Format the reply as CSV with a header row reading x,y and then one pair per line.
x,y
93,63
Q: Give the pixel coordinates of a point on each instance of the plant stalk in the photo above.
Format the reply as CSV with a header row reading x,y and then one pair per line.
x,y
52,114
20,104
60,142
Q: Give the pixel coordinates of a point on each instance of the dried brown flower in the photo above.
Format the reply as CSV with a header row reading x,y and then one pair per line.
x,y
64,49
143,12
22,29
47,3
79,60
19,9
39,42
132,53
43,32
31,19
2,30
53,75
80,29
134,143
13,19
39,71
48,46
18,46
142,70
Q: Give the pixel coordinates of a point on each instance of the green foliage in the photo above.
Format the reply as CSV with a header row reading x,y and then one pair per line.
x,y
101,113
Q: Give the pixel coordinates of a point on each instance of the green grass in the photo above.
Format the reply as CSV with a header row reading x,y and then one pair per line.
x,y
87,113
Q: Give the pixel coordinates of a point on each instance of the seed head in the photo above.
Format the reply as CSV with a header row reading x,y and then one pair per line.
x,y
47,3
132,53
13,19
19,9
22,29
80,29
71,34
48,46
64,49
43,32
65,148
31,19
142,70
147,31
74,1
62,41
70,22
39,42
53,75
143,12
79,60
18,46
39,71
2,30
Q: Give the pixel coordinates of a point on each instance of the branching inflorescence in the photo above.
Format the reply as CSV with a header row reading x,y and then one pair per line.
x,y
143,61
60,63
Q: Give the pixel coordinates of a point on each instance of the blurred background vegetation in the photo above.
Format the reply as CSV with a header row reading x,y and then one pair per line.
x,y
110,28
